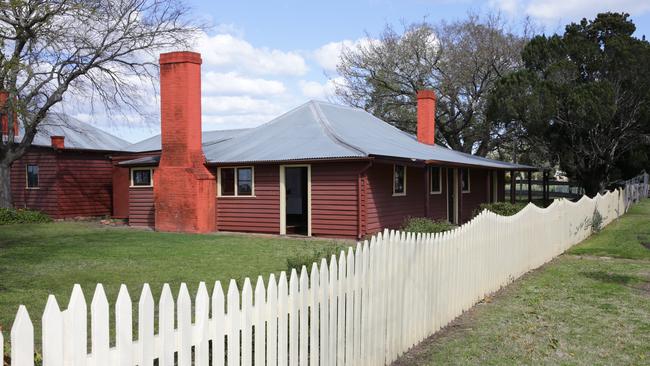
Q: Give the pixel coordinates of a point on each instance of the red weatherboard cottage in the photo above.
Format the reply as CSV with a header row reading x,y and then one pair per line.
x,y
320,169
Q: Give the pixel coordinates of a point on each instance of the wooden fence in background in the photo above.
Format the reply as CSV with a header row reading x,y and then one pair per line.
x,y
366,307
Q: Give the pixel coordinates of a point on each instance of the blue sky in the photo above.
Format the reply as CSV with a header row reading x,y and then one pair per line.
x,y
262,58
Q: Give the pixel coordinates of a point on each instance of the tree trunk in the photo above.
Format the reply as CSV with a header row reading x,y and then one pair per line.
x,y
5,186
592,186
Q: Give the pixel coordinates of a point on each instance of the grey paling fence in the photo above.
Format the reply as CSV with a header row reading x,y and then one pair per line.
x,y
636,189
365,307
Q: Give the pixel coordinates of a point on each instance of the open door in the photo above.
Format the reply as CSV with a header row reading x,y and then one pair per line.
x,y
295,200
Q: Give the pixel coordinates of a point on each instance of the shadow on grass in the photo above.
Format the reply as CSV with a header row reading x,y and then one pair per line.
x,y
638,283
644,240
608,277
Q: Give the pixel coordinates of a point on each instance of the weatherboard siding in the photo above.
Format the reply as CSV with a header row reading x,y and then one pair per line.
x,y
387,211
478,193
71,183
335,195
45,197
438,201
122,181
84,184
257,214
141,207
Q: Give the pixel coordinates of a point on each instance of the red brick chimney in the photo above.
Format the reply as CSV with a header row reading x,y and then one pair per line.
x,y
427,117
184,189
58,142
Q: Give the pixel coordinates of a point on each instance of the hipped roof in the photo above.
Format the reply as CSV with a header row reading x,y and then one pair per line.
x,y
320,130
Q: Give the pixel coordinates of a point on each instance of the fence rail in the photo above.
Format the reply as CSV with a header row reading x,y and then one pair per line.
x,y
366,307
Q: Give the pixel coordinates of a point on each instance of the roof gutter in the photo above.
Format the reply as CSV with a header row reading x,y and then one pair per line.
x,y
290,161
446,163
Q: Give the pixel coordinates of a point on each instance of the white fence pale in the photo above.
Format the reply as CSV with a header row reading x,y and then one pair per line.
x,y
366,307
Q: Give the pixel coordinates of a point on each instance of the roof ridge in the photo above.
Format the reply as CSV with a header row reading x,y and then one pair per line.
x,y
329,131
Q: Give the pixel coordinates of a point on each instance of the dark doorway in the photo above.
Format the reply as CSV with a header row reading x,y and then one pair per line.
x,y
297,200
451,197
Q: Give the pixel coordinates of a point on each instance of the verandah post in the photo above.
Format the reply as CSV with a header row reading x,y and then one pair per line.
x,y
530,191
513,186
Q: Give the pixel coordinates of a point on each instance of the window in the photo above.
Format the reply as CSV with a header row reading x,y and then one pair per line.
x,y
244,181
399,180
141,177
435,176
32,176
236,181
466,181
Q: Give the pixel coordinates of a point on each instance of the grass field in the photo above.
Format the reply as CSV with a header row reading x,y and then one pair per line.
x,y
590,306
41,259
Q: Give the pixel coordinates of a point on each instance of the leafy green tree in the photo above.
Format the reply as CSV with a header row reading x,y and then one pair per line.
x,y
582,99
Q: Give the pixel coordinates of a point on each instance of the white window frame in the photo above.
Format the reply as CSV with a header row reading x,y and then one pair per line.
x,y
401,194
439,191
469,181
131,185
252,195
27,176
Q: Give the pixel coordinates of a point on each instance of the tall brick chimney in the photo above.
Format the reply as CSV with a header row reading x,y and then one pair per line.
x,y
427,117
184,189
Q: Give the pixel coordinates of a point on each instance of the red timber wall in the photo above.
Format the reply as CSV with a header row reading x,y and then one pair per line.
x,y
258,214
478,193
45,198
501,181
71,183
85,184
387,211
334,202
335,199
122,182
141,207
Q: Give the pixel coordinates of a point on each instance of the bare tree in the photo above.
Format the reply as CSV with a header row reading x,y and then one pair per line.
x,y
98,48
460,60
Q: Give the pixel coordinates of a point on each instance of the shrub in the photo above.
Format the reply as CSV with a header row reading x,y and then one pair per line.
x,y
426,225
501,208
22,216
308,258
596,222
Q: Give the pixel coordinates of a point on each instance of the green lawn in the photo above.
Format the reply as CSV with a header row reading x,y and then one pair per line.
x,y
41,259
590,306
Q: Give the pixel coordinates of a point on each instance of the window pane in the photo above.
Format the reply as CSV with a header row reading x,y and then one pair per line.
x,y
142,177
466,180
399,179
244,181
32,176
435,179
227,181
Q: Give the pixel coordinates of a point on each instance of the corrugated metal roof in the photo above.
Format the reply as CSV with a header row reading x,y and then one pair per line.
x,y
320,130
208,138
78,134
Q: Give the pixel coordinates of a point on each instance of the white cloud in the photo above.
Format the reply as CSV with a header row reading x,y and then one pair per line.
x,y
233,83
329,55
228,52
315,90
215,105
553,11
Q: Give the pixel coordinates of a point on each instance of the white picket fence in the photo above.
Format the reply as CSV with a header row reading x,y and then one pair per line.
x,y
366,307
